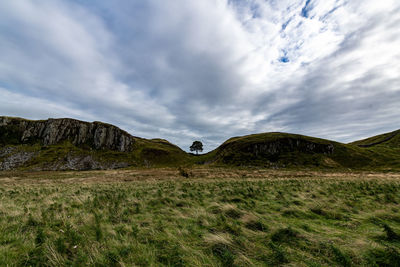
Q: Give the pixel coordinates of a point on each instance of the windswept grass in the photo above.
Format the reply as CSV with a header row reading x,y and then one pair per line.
x,y
210,217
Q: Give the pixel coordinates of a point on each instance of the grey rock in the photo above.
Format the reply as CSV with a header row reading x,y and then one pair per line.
x,y
13,159
289,145
83,163
52,131
269,152
6,151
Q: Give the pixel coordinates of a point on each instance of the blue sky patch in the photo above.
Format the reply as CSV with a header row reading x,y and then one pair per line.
x,y
284,59
284,25
306,9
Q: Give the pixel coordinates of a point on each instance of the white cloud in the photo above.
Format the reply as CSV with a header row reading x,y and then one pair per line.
x,y
205,69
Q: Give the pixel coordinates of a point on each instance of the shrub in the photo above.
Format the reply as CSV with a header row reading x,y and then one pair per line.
x,y
183,172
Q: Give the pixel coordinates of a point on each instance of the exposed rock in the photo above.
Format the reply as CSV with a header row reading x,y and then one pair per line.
x,y
83,163
5,151
11,158
274,150
68,144
52,131
275,147
288,145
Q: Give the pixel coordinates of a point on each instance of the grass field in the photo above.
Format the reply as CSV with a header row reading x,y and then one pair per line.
x,y
199,217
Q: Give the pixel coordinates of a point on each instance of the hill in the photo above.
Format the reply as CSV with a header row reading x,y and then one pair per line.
x,y
61,144
391,140
288,150
68,144
384,147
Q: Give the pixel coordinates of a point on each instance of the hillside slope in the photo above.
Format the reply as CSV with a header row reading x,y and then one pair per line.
x,y
68,144
384,147
391,139
61,144
292,150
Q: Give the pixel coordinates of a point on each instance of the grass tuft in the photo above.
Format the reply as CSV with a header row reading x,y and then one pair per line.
x,y
390,233
224,253
154,217
285,235
256,226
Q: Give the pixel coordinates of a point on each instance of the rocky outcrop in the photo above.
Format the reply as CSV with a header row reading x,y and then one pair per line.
x,y
97,135
11,158
288,145
273,148
82,163
68,144
282,145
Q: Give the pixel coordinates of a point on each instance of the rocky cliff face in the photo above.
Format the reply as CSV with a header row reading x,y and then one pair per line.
x,y
68,144
282,145
52,131
11,158
288,145
274,148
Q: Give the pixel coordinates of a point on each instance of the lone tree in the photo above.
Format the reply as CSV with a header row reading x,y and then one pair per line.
x,y
196,146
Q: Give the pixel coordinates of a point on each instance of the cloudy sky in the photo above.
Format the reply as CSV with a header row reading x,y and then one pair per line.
x,y
205,70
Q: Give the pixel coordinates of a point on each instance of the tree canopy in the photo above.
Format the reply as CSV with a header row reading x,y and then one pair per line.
x,y
196,146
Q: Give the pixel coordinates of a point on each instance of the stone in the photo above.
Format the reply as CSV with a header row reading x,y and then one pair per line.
x,y
53,131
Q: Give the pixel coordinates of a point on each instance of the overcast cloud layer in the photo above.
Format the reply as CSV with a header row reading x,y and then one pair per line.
x,y
205,70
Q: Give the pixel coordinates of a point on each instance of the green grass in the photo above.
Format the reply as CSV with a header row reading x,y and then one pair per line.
x,y
391,139
213,217
384,149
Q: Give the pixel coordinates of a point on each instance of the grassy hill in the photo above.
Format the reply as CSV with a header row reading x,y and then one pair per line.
x,y
146,153
285,150
62,144
391,140
385,149
278,150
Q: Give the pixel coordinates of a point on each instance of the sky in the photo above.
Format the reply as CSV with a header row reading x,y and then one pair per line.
x,y
205,70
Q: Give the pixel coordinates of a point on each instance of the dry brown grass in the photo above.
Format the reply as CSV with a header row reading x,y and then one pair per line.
x,y
198,174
